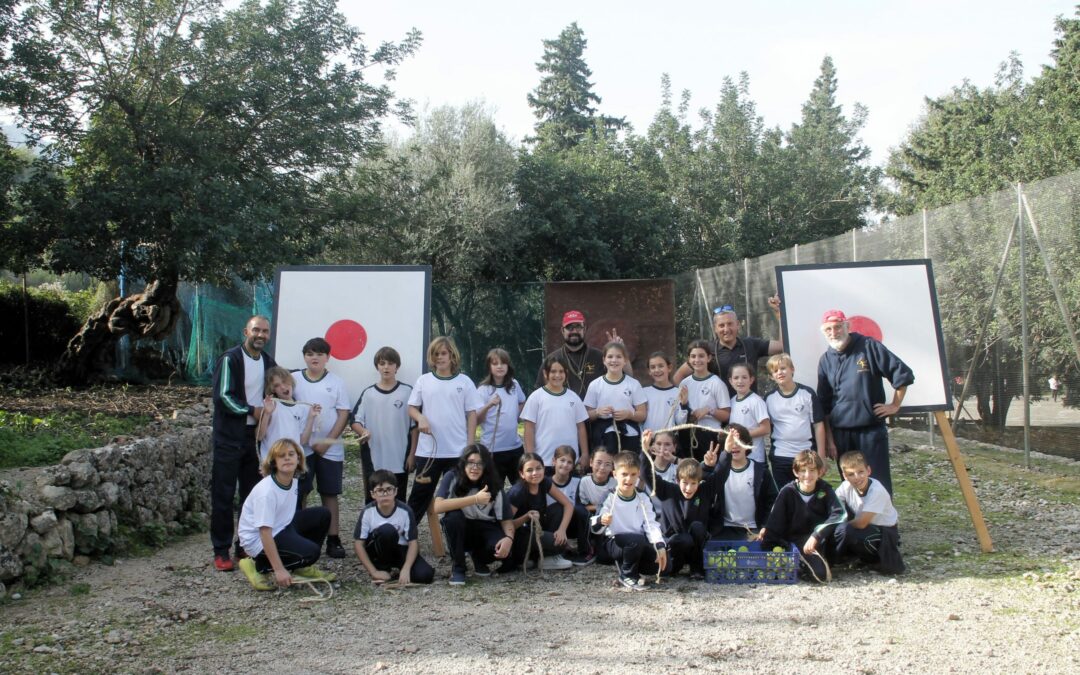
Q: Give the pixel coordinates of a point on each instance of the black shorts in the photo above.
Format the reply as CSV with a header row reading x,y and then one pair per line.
x,y
326,474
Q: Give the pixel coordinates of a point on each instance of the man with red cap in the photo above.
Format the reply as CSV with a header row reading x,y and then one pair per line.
x,y
583,363
852,396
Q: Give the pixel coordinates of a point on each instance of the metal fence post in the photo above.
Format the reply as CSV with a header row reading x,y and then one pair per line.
x,y
1024,367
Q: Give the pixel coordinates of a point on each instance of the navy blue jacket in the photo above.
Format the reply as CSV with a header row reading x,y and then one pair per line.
x,y
231,409
677,512
792,520
849,382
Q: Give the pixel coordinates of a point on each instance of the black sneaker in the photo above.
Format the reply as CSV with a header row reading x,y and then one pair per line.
x,y
481,569
334,548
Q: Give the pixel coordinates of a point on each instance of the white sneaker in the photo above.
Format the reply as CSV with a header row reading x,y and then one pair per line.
x,y
556,562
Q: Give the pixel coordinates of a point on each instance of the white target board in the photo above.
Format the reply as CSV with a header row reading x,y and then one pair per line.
x,y
893,301
357,309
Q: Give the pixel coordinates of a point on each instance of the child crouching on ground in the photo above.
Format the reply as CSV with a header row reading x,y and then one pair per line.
x,y
806,513
871,534
277,537
385,536
627,520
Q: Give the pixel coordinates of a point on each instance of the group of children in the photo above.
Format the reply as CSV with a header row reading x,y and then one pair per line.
x,y
637,477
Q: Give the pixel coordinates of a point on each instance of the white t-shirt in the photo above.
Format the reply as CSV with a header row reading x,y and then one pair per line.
x,y
876,501
659,402
708,392
329,392
385,414
254,383
570,489
626,394
589,492
793,417
749,412
268,505
740,507
445,403
556,417
287,421
507,415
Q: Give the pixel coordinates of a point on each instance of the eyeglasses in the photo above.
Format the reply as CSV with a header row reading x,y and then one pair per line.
x,y
474,465
604,465
384,492
723,309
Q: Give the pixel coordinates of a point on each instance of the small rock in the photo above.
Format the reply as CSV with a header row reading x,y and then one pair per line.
x,y
81,560
44,649
114,637
954,617
379,665
16,596
184,616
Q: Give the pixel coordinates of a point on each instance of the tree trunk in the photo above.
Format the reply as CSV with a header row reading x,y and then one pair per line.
x,y
150,314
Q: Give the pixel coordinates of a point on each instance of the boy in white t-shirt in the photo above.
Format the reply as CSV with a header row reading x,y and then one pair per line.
x,y
871,532
325,457
797,419
382,414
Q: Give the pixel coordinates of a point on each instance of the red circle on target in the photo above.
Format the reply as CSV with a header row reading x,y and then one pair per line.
x,y
864,325
347,339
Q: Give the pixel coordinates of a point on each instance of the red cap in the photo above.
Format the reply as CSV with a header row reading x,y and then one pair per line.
x,y
833,316
573,316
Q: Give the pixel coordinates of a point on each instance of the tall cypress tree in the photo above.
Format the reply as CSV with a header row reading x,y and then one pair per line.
x,y
564,101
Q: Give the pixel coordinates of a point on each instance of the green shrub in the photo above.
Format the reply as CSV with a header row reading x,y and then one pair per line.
x,y
51,324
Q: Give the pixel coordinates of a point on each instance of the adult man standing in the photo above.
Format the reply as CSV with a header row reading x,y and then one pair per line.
x,y
238,378
584,363
729,349
852,396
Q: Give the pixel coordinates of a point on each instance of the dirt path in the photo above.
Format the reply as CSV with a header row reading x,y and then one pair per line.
x,y
955,611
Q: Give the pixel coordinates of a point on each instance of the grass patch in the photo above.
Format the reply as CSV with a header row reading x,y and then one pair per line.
x,y
182,638
31,440
79,589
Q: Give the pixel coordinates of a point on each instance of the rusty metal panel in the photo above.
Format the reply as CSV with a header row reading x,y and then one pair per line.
x,y
641,311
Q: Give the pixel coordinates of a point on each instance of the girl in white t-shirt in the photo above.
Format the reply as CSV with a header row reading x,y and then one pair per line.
x,y
498,417
616,404
749,409
708,403
555,416
663,399
282,416
443,404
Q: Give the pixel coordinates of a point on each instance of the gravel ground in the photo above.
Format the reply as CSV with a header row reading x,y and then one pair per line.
x,y
956,610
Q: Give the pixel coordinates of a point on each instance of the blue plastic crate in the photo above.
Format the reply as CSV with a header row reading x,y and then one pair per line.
x,y
726,564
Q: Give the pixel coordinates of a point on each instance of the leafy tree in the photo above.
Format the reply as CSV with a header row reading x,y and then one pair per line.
x,y
829,184
443,197
563,101
589,213
193,139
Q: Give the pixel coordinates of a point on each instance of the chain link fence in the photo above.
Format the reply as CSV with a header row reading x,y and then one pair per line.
x,y
975,247
971,244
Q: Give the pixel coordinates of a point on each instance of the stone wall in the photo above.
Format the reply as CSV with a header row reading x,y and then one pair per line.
x,y
154,487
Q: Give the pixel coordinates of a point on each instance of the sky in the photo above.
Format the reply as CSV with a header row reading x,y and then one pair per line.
x,y
889,55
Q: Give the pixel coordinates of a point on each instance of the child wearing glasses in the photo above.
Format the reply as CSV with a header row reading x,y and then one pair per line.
x,y
476,515
385,535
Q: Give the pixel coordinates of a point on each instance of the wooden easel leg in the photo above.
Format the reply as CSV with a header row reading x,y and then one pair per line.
x,y
965,482
436,531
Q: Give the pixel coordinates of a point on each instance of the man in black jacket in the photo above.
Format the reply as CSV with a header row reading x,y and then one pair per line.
x,y
238,379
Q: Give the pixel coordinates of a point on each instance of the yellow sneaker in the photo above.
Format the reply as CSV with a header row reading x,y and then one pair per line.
x,y
312,572
258,581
